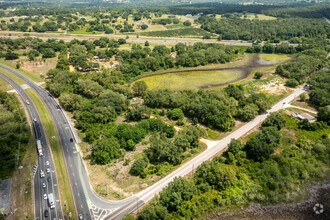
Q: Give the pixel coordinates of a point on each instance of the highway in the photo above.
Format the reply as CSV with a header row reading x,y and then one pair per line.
x,y
86,200
41,204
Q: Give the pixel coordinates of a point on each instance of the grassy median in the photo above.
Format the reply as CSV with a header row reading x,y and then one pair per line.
x,y
62,175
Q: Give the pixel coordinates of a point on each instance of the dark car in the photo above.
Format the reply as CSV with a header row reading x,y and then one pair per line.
x,y
71,140
46,213
49,179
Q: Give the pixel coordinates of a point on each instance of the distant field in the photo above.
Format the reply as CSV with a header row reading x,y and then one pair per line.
x,y
259,17
176,33
274,57
175,26
191,80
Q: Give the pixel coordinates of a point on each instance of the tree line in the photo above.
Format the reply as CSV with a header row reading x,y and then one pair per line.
x,y
14,134
249,172
235,28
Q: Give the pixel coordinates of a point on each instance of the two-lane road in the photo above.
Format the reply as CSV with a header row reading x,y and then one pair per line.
x,y
50,186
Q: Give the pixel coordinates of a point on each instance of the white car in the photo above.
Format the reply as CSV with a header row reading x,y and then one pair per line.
x,y
48,170
43,185
47,163
34,119
45,196
42,174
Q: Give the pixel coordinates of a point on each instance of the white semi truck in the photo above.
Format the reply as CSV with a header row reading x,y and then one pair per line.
x,y
51,200
39,147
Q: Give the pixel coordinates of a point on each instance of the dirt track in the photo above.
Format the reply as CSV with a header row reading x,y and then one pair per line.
x,y
246,71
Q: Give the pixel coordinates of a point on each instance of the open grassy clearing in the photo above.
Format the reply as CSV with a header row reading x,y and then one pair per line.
x,y
191,80
274,58
62,175
4,86
18,80
35,66
258,17
176,33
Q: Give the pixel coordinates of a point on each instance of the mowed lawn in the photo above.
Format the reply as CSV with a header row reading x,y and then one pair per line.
x,y
191,80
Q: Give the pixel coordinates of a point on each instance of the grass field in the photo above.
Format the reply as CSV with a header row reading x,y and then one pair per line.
x,y
62,176
15,78
34,77
4,86
274,57
259,17
191,80
175,26
176,32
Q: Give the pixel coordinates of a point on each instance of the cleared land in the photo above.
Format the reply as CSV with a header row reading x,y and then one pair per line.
x,y
191,80
214,76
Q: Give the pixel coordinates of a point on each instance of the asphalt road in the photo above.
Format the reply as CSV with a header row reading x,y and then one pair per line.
x,y
51,187
91,205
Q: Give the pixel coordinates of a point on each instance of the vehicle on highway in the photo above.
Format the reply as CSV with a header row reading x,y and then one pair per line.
x,y
42,174
39,147
51,200
71,140
46,213
43,185
45,196
34,119
58,107
48,170
48,179
47,163
27,102
81,217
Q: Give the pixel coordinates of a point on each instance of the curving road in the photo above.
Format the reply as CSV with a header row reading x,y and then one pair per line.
x,y
94,207
51,187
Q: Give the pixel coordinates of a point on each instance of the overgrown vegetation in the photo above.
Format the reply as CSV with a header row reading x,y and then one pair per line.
x,y
14,134
243,175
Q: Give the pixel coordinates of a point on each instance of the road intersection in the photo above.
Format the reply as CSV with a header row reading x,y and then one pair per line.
x,y
87,202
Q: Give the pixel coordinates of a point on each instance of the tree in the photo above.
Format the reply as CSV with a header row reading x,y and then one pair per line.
x,y
146,44
234,146
258,75
48,53
275,119
144,27
18,65
260,147
178,191
175,114
249,112
11,56
138,167
292,83
139,88
303,97
187,23
324,114
153,211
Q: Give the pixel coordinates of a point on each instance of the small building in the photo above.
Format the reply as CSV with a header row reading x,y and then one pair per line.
x,y
309,117
96,57
304,116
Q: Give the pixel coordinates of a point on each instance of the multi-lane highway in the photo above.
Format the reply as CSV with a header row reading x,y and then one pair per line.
x,y
42,185
92,206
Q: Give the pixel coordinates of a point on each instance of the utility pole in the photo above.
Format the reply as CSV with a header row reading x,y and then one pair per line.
x,y
106,185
